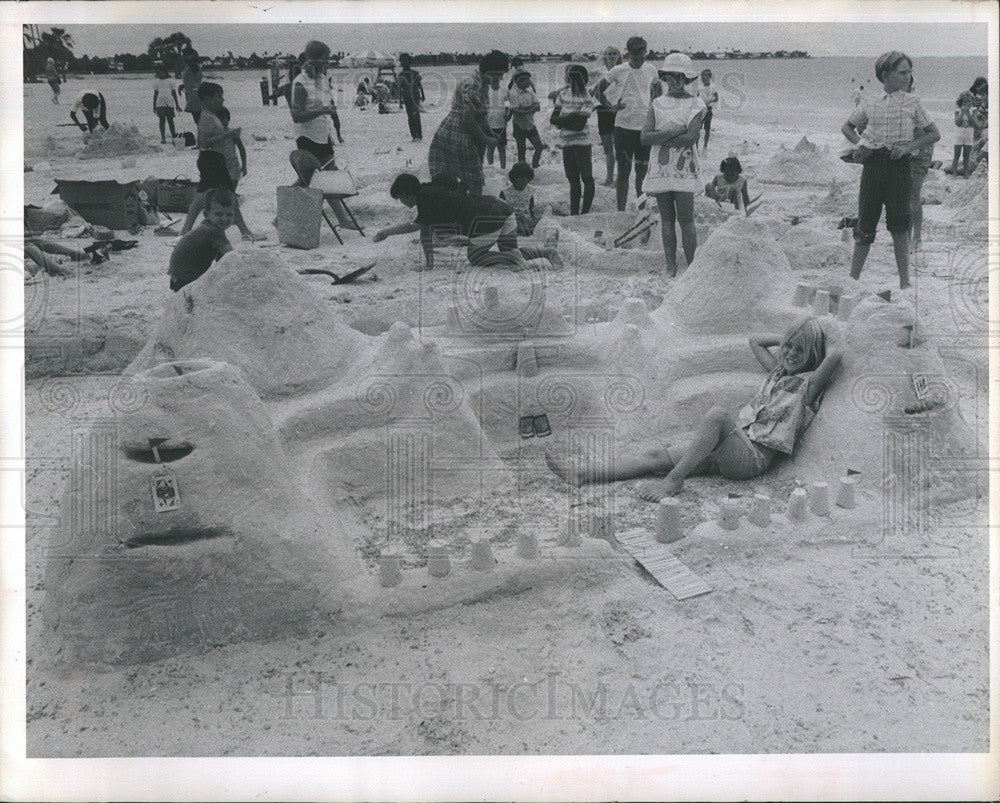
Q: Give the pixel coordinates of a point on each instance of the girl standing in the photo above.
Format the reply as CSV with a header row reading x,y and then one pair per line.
x,y
570,115
611,57
52,76
965,122
310,105
191,79
164,103
673,125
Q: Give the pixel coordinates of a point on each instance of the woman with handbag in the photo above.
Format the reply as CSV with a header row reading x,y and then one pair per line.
x,y
570,115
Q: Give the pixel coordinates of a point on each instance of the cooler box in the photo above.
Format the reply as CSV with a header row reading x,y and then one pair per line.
x,y
103,203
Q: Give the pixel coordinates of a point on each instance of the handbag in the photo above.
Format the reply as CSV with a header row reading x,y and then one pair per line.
x,y
174,194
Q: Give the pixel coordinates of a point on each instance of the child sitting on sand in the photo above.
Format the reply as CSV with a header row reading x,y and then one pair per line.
x,y
198,249
730,185
521,197
476,221
743,446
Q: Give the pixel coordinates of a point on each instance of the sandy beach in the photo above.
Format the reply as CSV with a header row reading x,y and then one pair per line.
x,y
836,635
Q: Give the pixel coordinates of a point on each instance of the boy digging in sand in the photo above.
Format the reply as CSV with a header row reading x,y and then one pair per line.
x,y
743,446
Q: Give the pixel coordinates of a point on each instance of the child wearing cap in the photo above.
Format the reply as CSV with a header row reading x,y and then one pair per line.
x,y
521,197
888,122
673,125
523,105
570,115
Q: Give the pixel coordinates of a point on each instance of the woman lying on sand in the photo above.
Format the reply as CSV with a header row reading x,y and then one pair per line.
x,y
476,221
743,446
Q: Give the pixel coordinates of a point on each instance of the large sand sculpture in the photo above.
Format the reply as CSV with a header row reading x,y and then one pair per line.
x,y
806,164
415,429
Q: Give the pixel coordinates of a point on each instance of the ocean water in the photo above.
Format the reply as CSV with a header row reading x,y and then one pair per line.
x,y
779,95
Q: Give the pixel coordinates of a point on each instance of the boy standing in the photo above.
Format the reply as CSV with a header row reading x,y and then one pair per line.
x,y
164,103
411,90
633,85
197,250
709,95
523,105
216,150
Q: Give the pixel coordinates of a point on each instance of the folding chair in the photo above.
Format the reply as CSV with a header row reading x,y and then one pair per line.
x,y
336,185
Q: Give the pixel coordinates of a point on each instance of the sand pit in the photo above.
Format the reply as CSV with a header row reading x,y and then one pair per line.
x,y
806,164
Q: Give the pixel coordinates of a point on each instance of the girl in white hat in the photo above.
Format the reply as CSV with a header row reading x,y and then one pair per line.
x,y
672,127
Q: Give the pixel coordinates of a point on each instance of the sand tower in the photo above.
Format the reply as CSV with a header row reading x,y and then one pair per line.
x,y
253,311
182,527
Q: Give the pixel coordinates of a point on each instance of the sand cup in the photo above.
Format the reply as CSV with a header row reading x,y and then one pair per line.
x,y
602,526
821,302
797,505
668,521
389,573
802,292
819,498
569,534
760,512
845,493
527,546
482,555
438,562
729,515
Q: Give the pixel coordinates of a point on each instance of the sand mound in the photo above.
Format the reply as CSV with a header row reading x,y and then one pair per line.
x,y
805,164
740,281
971,194
253,311
208,546
808,247
118,140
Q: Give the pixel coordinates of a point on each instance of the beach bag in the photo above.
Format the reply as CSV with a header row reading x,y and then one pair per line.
x,y
300,216
174,194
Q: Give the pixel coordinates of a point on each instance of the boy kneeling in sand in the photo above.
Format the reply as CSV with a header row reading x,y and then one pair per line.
x,y
199,248
481,221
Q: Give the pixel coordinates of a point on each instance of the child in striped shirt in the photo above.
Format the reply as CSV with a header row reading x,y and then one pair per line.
x,y
570,115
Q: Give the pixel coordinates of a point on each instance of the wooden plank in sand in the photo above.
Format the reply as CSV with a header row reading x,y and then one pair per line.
x,y
659,561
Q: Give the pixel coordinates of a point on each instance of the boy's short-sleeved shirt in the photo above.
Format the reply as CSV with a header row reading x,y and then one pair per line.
x,y
210,127
471,215
163,88
889,119
79,107
709,94
195,252
632,88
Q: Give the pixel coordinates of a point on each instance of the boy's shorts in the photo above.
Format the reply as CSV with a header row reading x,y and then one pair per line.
x,y
165,112
884,182
606,122
628,145
212,172
500,134
486,240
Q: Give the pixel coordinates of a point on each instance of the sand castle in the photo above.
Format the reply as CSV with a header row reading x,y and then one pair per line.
x,y
806,164
409,425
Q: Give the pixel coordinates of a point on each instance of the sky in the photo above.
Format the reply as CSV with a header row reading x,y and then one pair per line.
x,y
838,38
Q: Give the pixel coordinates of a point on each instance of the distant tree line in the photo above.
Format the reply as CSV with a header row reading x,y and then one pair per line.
x,y
170,51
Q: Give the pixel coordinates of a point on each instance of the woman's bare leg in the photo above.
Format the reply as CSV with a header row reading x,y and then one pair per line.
x,y
665,202
656,462
717,425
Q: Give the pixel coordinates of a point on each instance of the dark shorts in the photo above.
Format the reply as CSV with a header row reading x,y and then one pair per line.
x,y
500,134
212,172
323,152
628,145
606,122
165,112
707,122
884,182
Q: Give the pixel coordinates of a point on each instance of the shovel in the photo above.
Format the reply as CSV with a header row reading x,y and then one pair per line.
x,y
346,278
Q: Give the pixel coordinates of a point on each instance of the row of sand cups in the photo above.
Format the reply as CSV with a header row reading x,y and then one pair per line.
x,y
825,300
800,503
390,563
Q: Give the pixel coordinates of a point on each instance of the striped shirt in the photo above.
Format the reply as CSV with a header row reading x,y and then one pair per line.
x,y
889,119
574,104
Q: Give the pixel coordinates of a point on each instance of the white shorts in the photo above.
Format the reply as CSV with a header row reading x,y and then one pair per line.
x,y
485,240
965,136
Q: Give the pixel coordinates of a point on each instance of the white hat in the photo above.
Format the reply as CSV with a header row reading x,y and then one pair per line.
x,y
681,63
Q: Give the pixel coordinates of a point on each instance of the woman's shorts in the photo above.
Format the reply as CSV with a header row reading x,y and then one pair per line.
x,y
212,172
165,112
322,151
606,122
739,458
486,240
965,136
